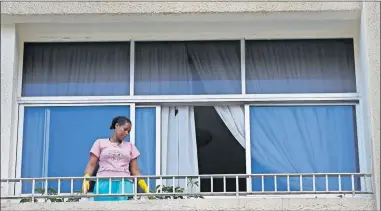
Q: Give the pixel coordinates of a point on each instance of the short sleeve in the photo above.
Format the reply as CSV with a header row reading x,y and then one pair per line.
x,y
96,148
134,151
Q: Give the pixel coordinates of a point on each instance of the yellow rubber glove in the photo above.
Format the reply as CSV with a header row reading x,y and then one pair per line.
x,y
86,184
143,185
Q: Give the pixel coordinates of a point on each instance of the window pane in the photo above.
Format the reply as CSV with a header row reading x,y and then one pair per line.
x,y
57,140
304,139
146,141
300,66
182,68
76,69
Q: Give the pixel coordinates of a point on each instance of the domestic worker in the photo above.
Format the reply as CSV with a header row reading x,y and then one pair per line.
x,y
116,157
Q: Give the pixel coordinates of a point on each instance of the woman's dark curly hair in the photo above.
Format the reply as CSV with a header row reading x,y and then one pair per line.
x,y
121,120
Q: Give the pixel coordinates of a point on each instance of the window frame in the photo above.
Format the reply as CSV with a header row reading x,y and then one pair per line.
x,y
134,101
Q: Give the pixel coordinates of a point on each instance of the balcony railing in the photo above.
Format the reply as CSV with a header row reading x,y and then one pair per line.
x,y
257,184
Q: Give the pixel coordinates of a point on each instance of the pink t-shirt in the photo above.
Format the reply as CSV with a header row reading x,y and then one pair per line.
x,y
114,160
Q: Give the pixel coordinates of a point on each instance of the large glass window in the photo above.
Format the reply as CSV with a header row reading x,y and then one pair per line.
x,y
76,69
300,66
284,139
186,68
57,140
303,139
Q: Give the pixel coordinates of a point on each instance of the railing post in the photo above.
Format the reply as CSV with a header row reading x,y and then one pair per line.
x,y
224,178
33,187
211,184
288,183
301,183
339,178
237,186
135,188
353,184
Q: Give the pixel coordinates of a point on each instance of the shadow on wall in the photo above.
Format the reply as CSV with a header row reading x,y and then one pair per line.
x,y
222,155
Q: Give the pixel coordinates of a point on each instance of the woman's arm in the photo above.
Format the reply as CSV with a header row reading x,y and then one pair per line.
x,y
91,165
134,167
89,171
136,172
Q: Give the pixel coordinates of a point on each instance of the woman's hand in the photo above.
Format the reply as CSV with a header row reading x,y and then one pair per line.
x,y
85,185
89,171
135,172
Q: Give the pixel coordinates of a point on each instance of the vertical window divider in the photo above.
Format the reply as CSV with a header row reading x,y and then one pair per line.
x,y
132,118
247,148
132,67
20,134
243,66
45,160
158,144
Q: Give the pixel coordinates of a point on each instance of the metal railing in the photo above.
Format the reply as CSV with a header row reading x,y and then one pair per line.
x,y
184,185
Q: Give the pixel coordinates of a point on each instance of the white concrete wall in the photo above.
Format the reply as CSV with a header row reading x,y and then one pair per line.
x,y
9,60
175,7
208,204
370,65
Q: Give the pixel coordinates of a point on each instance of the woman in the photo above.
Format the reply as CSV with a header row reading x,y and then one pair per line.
x,y
116,157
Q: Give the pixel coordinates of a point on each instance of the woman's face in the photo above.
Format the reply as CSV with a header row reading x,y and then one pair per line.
x,y
122,131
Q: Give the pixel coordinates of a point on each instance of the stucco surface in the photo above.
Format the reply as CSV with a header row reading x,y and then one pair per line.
x,y
209,204
180,6
371,21
8,82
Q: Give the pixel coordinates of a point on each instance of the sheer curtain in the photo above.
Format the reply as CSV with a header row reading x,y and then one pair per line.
x,y
34,147
162,69
217,65
221,62
183,68
234,118
309,139
300,66
179,147
76,69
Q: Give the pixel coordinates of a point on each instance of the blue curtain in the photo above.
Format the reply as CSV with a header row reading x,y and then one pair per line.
x,y
303,139
145,141
33,147
69,134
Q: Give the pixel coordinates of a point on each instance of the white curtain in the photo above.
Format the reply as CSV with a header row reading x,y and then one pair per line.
x,y
179,147
219,63
234,118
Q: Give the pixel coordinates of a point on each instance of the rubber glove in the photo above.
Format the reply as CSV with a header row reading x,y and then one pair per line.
x,y
86,184
143,185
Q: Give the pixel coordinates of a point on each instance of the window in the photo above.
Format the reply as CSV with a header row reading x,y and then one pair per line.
x,y
251,87
300,66
303,139
57,140
187,68
76,69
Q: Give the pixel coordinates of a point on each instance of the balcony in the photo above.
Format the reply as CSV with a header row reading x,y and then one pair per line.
x,y
351,191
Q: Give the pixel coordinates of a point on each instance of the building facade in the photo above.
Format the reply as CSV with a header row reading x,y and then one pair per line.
x,y
295,85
